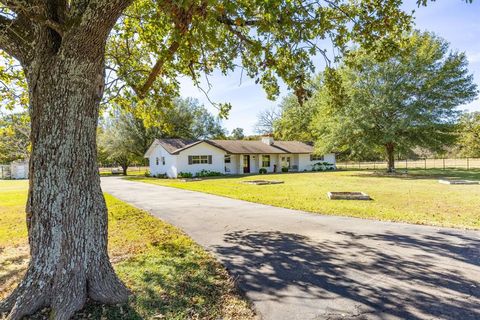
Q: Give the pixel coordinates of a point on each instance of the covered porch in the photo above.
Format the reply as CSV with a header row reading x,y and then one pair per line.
x,y
252,163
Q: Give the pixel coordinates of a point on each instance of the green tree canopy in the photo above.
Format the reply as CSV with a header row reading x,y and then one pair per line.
x,y
295,120
153,45
409,100
124,138
469,135
237,134
14,137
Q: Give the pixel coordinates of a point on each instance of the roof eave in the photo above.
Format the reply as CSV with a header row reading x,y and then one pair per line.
x,y
150,149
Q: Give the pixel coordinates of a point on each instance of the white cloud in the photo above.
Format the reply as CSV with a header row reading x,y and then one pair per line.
x,y
473,57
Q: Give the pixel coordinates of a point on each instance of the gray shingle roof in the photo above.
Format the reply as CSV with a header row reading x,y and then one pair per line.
x,y
294,146
244,146
174,146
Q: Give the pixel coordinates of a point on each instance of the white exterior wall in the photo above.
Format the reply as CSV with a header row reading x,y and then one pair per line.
x,y
19,170
201,149
234,164
273,162
170,167
304,163
255,163
330,158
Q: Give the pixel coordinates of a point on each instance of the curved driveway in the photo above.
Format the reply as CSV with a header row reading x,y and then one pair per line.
x,y
297,265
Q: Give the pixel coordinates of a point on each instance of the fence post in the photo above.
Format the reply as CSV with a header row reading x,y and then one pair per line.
x,y
425,163
443,163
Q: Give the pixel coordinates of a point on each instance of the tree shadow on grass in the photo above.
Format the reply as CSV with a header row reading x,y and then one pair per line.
x,y
13,263
170,281
180,282
367,270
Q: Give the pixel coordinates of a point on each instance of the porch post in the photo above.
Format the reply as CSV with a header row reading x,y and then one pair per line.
x,y
240,163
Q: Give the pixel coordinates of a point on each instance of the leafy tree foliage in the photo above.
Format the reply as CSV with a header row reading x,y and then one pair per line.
x,y
119,140
469,135
404,102
237,134
13,88
197,37
124,138
189,119
14,137
295,120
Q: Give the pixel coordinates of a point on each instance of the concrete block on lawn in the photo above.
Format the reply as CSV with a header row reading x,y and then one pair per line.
x,y
191,179
444,181
348,196
262,182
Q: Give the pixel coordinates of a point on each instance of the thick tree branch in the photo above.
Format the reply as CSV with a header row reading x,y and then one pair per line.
x,y
13,39
157,69
182,19
101,13
54,25
239,34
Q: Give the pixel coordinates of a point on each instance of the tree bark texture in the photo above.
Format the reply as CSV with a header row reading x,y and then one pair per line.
x,y
66,211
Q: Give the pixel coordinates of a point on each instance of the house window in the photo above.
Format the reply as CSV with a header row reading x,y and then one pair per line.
x,y
157,161
163,160
265,161
200,159
228,158
316,158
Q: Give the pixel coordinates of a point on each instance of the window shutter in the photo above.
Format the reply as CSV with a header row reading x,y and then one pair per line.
x,y
190,160
209,159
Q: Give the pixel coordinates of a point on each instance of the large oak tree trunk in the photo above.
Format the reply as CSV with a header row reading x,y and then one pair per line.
x,y
66,211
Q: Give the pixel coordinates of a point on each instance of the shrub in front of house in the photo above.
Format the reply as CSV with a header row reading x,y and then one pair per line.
x,y
208,173
284,169
323,166
161,176
262,171
184,175
147,173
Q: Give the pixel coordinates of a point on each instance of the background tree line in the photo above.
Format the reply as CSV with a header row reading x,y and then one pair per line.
x,y
387,108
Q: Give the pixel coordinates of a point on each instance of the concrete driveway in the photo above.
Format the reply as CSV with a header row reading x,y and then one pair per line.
x,y
296,265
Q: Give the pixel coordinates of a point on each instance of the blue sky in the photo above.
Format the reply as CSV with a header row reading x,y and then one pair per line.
x,y
453,20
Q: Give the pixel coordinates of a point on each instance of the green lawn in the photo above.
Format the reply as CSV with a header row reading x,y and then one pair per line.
x,y
170,275
415,198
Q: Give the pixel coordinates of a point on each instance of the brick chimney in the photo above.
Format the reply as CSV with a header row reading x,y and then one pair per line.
x,y
268,139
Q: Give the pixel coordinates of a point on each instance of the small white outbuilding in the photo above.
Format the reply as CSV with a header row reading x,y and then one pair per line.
x,y
19,169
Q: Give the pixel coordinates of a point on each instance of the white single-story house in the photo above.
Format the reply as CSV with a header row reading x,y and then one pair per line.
x,y
172,156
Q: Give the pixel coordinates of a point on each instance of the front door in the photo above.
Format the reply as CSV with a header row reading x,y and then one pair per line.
x,y
246,163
